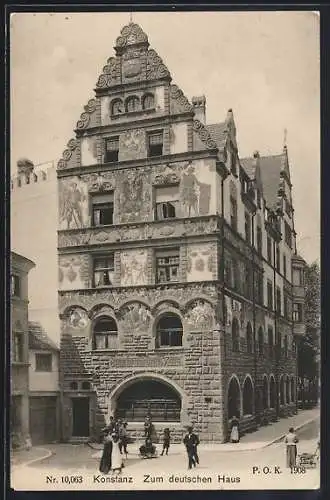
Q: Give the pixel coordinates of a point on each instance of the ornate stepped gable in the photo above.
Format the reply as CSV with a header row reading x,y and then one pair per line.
x,y
68,156
88,118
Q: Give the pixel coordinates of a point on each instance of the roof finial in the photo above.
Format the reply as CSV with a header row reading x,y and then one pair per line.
x,y
285,138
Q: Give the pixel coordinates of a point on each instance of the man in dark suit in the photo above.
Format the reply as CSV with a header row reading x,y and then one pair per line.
x,y
191,441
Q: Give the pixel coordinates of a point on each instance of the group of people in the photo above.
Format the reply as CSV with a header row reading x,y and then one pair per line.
x,y
115,440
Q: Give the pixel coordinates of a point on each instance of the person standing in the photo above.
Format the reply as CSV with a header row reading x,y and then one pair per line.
x,y
191,441
234,430
116,459
105,463
147,427
123,438
291,441
166,441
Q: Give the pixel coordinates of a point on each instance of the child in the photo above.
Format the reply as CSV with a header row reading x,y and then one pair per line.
x,y
166,441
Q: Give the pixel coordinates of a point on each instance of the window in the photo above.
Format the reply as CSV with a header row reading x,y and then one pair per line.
x,y
105,333
247,397
85,386
117,107
233,212
278,259
287,306
228,272
284,266
278,301
279,343
73,386
298,312
102,208
44,362
261,341
249,338
233,162
148,101
155,144
298,277
259,287
259,240
269,249
235,274
247,227
15,285
235,335
167,266
111,150
248,281
269,295
169,331
132,103
104,271
270,342
167,202
287,234
18,347
286,346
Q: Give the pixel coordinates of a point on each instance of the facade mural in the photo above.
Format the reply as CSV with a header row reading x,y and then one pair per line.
x,y
134,268
200,316
132,145
73,204
135,318
135,197
201,262
71,272
88,151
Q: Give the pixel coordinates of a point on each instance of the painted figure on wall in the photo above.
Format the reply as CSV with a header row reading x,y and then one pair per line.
x,y
200,317
133,200
71,199
136,318
195,195
134,269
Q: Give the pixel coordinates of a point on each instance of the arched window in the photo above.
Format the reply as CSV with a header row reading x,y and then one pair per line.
x,y
247,397
282,390
117,107
132,103
272,392
235,335
287,390
148,101
169,331
293,390
265,393
270,342
105,333
149,397
234,399
261,341
249,338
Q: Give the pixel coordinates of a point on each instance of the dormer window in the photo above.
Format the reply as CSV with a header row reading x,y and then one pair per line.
x,y
132,104
148,101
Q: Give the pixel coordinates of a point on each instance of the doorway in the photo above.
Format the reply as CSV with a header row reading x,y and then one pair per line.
x,y
80,417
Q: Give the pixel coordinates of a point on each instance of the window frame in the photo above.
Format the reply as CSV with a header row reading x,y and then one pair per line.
x,y
151,134
115,151
109,268
105,334
168,332
173,253
20,358
15,285
44,355
99,205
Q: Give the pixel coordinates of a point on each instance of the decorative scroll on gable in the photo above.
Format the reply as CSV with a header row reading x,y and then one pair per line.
x,y
131,34
111,74
204,135
70,156
178,101
155,66
90,117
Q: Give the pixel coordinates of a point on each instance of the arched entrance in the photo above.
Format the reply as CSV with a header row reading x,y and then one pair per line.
x,y
234,398
272,392
247,397
265,393
150,397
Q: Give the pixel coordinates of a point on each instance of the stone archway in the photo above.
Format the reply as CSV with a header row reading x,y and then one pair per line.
x,y
234,398
149,393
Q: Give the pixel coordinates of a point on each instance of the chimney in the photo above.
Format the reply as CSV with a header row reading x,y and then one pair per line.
x,y
199,105
24,167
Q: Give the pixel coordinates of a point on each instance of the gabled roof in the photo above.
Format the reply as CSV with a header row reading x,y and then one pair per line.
x,y
270,171
38,339
218,132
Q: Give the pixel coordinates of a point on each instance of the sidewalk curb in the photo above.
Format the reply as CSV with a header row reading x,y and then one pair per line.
x,y
48,454
300,426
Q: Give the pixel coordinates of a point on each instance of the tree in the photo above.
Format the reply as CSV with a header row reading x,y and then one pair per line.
x,y
309,344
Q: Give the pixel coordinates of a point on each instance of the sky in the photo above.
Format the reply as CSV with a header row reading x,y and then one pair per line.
x,y
263,65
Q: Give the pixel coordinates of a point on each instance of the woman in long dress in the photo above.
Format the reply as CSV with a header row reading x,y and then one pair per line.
x,y
234,433
116,460
105,463
291,441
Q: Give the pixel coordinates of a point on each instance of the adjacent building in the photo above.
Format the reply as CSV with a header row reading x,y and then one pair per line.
x,y
19,408
174,261
44,390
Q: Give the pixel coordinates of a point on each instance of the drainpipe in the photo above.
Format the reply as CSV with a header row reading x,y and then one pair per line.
x,y
278,349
